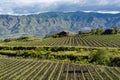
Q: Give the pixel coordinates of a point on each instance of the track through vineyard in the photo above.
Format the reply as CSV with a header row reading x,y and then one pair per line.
x,y
29,69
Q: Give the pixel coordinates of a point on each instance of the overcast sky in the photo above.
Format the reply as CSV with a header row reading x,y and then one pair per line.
x,y
39,6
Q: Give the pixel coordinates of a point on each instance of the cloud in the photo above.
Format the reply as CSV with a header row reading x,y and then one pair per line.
x,y
104,12
37,6
86,28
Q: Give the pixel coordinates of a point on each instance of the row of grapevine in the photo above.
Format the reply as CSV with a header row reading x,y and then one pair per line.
x,y
22,69
89,41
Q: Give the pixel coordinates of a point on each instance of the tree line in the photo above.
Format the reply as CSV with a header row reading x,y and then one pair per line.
x,y
100,31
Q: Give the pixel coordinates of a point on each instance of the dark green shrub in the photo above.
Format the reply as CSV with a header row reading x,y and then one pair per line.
x,y
40,49
23,38
102,56
7,40
115,62
50,57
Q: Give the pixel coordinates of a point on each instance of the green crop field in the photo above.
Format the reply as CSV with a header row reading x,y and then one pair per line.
x,y
65,58
81,41
91,40
33,69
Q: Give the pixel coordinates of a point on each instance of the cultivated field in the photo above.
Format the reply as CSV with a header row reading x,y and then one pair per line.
x,y
81,41
41,68
29,69
91,40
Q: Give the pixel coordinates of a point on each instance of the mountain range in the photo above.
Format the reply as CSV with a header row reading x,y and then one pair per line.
x,y
51,22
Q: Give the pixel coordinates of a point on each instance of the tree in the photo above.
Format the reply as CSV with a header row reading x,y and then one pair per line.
x,y
7,40
46,36
99,31
115,30
102,56
80,32
93,31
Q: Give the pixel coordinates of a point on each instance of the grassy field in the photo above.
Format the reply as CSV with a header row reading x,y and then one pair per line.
x,y
33,69
79,40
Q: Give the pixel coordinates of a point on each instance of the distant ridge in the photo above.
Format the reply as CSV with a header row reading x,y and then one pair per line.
x,y
50,22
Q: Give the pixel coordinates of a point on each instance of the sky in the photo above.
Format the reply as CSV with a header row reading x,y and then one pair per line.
x,y
40,6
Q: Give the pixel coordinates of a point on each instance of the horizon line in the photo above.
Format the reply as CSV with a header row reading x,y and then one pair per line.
x,y
85,11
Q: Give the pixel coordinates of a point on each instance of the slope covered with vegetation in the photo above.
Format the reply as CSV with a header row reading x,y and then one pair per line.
x,y
48,23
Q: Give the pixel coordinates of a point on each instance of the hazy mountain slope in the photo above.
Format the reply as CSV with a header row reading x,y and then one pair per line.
x,y
48,23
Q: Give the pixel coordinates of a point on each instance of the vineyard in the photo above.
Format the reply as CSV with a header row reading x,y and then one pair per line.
x,y
29,69
79,40
92,41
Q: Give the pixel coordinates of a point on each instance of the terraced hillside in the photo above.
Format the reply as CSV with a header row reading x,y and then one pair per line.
x,y
29,69
79,40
